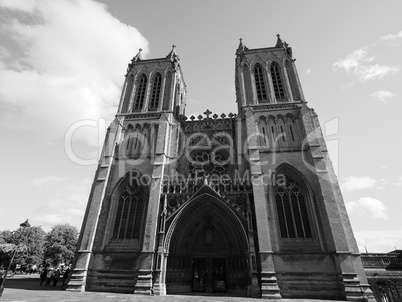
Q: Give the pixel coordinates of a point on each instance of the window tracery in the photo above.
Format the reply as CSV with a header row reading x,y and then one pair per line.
x,y
276,81
140,95
129,213
259,84
292,210
156,90
207,163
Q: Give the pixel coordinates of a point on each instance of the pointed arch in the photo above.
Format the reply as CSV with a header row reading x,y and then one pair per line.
x,y
140,93
206,227
264,132
156,92
282,135
292,198
128,139
135,142
292,129
260,84
200,206
129,201
277,81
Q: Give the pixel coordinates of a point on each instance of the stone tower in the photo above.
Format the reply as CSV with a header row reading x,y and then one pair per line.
x,y
246,203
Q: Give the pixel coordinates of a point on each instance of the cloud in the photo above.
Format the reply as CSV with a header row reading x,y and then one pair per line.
x,y
398,182
390,37
56,70
382,95
41,181
355,183
368,206
379,241
359,64
383,166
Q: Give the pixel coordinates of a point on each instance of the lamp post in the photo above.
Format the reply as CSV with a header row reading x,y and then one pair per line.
x,y
24,225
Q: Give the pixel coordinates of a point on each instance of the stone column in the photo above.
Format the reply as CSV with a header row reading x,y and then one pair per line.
x,y
269,285
287,84
297,84
271,87
161,256
162,92
253,289
242,88
144,284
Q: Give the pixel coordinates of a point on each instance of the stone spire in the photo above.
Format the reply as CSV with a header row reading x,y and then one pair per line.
x,y
279,42
241,47
172,56
138,56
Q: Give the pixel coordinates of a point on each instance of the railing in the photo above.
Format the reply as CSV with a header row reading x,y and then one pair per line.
x,y
192,185
386,261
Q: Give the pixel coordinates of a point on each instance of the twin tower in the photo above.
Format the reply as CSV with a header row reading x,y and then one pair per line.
x,y
245,204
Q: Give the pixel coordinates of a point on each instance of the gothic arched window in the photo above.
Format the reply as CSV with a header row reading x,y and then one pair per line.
x,y
127,95
276,81
140,95
156,91
129,213
259,84
291,204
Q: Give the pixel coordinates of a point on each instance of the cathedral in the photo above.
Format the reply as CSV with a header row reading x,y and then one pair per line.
x,y
240,204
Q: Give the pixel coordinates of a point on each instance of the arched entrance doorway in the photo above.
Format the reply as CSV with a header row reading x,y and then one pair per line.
x,y
208,248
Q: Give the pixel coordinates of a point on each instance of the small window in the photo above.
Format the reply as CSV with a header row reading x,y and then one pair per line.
x,y
259,84
276,81
140,95
291,132
156,91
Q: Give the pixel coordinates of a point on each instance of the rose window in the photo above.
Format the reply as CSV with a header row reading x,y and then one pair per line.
x,y
208,163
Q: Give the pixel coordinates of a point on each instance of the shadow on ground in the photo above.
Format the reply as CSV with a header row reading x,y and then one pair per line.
x,y
26,288
31,282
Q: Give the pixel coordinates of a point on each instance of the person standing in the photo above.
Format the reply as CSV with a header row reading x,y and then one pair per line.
x,y
43,276
65,275
49,276
56,276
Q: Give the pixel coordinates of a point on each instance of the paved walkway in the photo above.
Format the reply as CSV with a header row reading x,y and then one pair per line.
x,y
27,289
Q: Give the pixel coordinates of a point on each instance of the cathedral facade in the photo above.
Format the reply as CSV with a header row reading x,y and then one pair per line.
x,y
245,204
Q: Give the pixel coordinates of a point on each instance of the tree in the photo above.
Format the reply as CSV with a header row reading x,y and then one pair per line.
x,y
28,242
60,244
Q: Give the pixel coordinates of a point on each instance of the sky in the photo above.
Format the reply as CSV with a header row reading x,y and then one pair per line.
x,y
62,66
